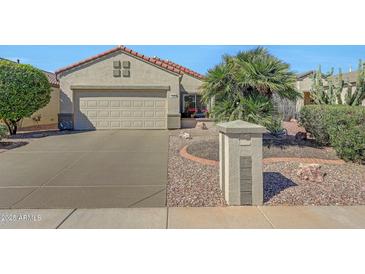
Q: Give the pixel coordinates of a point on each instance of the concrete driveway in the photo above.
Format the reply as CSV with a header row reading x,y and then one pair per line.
x,y
96,169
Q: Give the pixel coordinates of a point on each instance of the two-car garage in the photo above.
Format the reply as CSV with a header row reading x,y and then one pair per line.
x,y
120,109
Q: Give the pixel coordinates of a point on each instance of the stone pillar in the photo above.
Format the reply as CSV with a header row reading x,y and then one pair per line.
x,y
240,162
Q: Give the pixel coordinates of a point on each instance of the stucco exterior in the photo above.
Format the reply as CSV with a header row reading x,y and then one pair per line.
x,y
143,75
48,114
190,84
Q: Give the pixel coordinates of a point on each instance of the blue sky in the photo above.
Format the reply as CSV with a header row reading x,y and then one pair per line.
x,y
198,58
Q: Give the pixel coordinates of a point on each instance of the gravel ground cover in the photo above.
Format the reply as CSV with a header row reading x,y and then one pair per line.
x,y
288,147
193,184
343,185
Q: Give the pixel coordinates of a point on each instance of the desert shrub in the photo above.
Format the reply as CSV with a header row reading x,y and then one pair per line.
x,y
312,119
350,143
342,127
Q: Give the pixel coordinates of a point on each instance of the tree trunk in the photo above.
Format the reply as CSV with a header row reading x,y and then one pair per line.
x,y
12,126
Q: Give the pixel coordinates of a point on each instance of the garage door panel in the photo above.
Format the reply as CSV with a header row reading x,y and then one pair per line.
x,y
149,113
103,103
91,113
91,103
160,123
115,104
102,124
149,104
103,113
160,104
126,103
116,111
137,103
138,113
115,124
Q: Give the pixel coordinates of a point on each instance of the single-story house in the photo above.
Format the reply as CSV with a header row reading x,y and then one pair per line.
x,y
46,117
123,89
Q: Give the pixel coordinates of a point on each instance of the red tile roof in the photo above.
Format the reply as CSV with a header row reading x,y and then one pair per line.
x,y
182,69
168,65
52,79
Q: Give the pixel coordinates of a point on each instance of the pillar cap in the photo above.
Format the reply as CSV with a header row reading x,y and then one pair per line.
x,y
239,126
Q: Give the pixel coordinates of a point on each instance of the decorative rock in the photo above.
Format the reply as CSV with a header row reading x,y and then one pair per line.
x,y
201,125
301,136
185,135
311,172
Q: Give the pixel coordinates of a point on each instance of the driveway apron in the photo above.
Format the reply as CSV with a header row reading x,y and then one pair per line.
x,y
95,169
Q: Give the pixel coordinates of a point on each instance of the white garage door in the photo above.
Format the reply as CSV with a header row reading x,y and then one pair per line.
x,y
120,110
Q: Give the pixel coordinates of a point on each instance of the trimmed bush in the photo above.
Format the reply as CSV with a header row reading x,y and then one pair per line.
x,y
350,143
23,90
342,127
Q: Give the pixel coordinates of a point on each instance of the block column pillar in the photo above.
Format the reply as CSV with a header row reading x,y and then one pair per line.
x,y
240,166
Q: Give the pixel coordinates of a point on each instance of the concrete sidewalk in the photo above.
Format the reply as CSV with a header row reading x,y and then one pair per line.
x,y
218,217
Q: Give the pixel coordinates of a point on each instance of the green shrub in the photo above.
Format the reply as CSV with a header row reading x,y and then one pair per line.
x,y
350,143
341,126
23,90
3,131
312,119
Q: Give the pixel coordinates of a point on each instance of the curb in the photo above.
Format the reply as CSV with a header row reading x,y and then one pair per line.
x,y
184,153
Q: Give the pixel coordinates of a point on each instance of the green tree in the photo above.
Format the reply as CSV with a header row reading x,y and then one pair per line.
x,y
242,86
23,90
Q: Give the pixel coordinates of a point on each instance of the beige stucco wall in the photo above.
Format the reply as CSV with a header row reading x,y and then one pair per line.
x,y
190,84
100,72
49,114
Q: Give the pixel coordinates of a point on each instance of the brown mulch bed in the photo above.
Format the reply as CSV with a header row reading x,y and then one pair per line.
x,y
273,147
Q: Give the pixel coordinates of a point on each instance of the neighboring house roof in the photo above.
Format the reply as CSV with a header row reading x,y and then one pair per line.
x,y
52,78
347,77
50,75
302,75
165,64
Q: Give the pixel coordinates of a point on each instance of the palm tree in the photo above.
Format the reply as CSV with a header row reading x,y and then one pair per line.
x,y
242,86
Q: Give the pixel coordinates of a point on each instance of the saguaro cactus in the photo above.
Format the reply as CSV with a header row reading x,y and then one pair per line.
x,y
326,89
355,98
323,95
